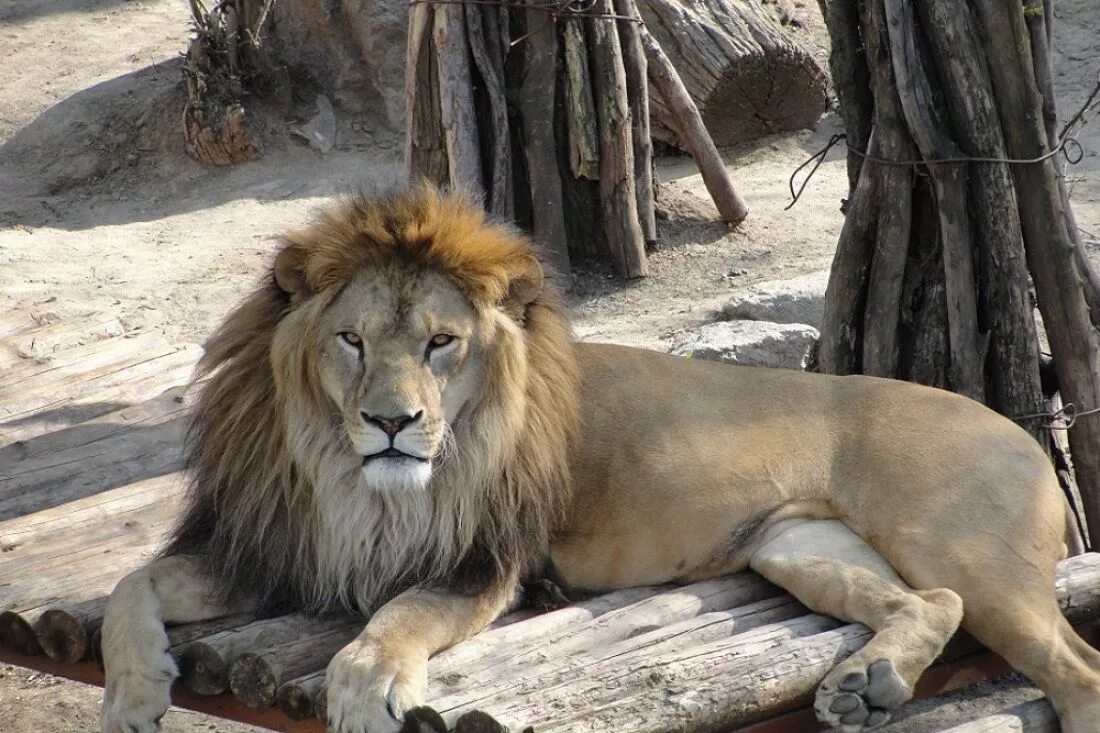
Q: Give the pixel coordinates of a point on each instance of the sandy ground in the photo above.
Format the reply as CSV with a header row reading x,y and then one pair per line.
x,y
101,210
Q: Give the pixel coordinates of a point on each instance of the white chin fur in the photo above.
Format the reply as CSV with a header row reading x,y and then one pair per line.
x,y
397,474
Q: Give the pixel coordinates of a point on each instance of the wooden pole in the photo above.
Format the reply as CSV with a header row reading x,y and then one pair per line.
x,y
456,100
637,92
618,194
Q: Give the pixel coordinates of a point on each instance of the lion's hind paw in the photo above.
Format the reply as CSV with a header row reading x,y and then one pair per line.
x,y
854,698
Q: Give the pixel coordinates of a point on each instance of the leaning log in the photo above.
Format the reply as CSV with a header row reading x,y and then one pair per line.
x,y
747,74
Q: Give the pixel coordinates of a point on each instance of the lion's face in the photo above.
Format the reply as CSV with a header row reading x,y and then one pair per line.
x,y
400,356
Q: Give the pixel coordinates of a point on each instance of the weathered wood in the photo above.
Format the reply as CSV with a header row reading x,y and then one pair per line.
x,y
729,682
1035,716
1012,366
42,342
490,67
536,107
466,691
1074,341
296,696
637,93
580,108
746,73
606,630
425,148
75,392
456,100
255,677
47,479
64,633
530,634
880,317
618,195
693,133
204,663
840,348
851,79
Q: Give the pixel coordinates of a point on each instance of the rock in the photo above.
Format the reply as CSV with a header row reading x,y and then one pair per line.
x,y
320,131
751,343
797,300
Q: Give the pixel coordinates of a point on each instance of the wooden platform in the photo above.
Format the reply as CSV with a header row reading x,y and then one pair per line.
x,y
91,426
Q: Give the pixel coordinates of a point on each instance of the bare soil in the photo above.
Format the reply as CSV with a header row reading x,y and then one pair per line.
x,y
100,209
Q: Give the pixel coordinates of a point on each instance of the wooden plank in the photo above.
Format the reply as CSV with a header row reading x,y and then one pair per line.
x,y
44,341
61,401
48,479
46,547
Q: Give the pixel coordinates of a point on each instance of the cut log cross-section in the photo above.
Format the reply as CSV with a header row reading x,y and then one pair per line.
x,y
746,72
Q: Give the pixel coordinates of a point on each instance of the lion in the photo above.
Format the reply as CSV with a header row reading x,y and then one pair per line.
x,y
397,422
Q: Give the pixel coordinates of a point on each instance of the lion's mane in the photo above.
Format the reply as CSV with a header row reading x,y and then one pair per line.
x,y
272,509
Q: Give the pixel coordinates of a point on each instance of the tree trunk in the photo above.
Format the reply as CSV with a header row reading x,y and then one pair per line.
x,y
930,282
745,72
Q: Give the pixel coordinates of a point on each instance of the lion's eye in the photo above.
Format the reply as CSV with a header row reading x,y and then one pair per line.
x,y
440,340
351,339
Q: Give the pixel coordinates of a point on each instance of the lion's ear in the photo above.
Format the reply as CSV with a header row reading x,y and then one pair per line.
x,y
524,287
290,272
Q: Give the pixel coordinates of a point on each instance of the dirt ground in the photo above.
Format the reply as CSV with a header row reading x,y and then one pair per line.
x,y
100,209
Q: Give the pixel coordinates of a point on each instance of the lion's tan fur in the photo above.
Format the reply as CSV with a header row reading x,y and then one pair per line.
x,y
274,506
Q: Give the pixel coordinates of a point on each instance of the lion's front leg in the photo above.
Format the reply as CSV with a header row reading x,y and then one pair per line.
x,y
382,675
138,664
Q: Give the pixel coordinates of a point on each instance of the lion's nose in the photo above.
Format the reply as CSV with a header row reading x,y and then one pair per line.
x,y
391,426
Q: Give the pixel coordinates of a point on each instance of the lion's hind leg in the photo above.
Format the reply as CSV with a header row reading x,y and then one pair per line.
x,y
833,571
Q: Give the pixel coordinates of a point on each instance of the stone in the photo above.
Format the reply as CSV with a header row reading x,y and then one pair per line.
x,y
750,343
796,300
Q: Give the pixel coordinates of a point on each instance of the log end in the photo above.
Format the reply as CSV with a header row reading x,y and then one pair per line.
x,y
17,634
253,682
62,636
203,670
320,704
295,701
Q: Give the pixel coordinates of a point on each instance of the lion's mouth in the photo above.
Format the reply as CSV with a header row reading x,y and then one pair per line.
x,y
391,452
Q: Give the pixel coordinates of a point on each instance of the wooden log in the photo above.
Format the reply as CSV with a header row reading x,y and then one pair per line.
x,y
425,148
580,108
530,634
536,107
1035,716
56,336
64,633
501,680
719,685
607,630
883,308
618,196
75,392
48,479
255,676
851,79
490,67
637,93
693,133
928,123
205,663
456,100
1012,366
1074,341
746,73
840,348
296,696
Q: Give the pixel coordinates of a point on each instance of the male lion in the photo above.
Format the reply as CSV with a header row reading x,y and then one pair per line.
x,y
396,422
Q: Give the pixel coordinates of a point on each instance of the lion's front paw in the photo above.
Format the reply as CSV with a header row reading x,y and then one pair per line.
x,y
370,690
137,692
857,696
